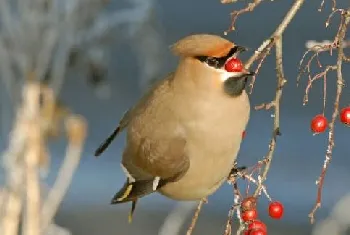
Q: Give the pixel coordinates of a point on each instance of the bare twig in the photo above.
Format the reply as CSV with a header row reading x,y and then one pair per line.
x,y
34,144
278,32
262,52
340,83
269,43
274,40
316,77
195,216
276,104
176,218
76,131
334,3
314,45
234,15
27,147
237,198
14,167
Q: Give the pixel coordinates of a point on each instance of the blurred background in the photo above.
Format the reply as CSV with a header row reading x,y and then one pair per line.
x,y
141,54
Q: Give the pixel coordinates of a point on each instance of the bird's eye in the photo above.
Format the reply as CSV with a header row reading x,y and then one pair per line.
x,y
213,62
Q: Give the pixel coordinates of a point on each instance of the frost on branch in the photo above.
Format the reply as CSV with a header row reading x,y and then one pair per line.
x,y
41,42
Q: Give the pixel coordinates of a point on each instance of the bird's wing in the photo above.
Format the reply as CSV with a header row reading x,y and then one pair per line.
x,y
164,157
127,117
164,160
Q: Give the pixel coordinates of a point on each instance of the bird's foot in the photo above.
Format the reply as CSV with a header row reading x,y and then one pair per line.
x,y
235,172
205,200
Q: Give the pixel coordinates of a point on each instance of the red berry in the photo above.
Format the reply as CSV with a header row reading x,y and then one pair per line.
x,y
248,203
255,225
234,65
345,115
249,215
243,134
257,232
319,123
276,210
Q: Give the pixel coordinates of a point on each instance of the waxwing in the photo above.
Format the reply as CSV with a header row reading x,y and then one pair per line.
x,y
183,136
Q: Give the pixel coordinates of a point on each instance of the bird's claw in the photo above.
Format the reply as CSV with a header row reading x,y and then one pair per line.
x,y
235,171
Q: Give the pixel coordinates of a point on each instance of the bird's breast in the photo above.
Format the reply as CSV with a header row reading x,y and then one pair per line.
x,y
214,136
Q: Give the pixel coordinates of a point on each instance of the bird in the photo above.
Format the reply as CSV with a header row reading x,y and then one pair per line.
x,y
184,134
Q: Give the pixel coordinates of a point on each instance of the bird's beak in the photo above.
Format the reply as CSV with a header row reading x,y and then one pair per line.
x,y
234,52
237,75
238,50
241,49
244,73
248,73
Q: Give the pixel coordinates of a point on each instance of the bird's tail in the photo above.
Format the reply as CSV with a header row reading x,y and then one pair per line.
x,y
132,191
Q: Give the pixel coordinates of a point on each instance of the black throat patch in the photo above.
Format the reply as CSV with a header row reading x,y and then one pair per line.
x,y
234,86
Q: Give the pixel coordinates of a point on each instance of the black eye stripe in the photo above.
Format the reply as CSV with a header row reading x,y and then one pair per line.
x,y
232,52
217,62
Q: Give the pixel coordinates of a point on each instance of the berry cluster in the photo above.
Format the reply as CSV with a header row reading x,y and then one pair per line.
x,y
249,215
319,123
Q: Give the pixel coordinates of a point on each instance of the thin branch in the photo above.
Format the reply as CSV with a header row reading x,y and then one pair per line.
x,y
237,198
34,144
316,77
274,40
176,218
234,15
276,125
313,45
14,171
195,216
340,84
334,3
278,32
76,132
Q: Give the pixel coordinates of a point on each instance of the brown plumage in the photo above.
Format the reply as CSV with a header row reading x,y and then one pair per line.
x,y
210,46
183,136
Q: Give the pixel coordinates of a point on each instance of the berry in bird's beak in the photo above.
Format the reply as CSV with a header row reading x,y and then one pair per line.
x,y
235,68
233,65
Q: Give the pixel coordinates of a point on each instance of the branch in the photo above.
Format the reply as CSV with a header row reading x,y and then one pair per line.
x,y
234,15
340,83
176,218
334,3
317,49
31,158
76,132
276,104
316,77
195,216
267,45
274,40
278,32
13,164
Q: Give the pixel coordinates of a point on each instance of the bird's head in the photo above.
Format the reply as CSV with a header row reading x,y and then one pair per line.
x,y
212,63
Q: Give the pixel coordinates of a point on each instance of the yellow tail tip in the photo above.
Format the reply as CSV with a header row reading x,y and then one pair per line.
x,y
130,218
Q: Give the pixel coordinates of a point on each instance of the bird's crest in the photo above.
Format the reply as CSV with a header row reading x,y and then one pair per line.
x,y
202,45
